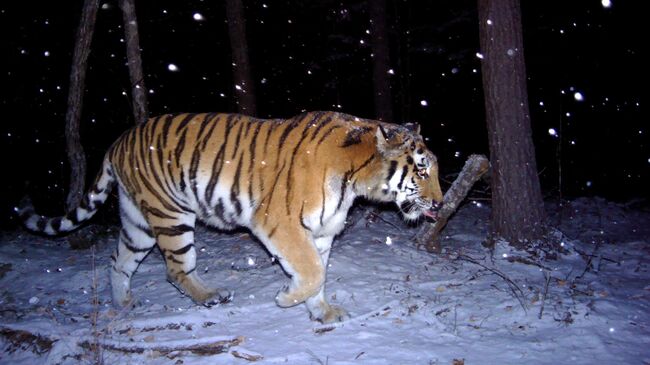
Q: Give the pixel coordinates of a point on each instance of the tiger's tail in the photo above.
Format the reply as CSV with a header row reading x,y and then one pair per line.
x,y
90,204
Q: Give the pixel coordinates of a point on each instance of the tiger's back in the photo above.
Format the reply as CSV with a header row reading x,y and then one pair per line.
x,y
291,182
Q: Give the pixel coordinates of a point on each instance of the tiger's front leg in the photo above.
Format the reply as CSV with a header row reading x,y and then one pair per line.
x,y
319,308
306,264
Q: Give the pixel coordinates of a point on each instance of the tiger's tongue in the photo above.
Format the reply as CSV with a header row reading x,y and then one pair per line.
x,y
431,214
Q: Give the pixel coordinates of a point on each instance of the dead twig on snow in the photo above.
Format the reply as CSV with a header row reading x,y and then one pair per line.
x,y
514,288
547,276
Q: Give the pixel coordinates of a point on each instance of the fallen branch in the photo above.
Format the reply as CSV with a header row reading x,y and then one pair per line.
x,y
205,348
475,167
26,341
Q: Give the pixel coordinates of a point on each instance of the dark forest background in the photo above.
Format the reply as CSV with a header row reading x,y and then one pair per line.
x,y
315,55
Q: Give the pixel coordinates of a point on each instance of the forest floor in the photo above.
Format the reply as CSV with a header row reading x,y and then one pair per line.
x,y
466,305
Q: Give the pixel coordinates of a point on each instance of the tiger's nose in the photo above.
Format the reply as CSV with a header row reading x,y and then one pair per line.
x,y
436,206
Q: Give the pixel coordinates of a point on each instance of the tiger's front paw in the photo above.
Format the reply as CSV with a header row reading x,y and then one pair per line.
x,y
334,314
219,296
286,299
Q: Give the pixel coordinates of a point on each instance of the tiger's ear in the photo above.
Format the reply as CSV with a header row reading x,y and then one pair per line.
x,y
387,140
413,127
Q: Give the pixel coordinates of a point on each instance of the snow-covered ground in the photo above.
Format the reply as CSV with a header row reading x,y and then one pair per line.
x,y
466,305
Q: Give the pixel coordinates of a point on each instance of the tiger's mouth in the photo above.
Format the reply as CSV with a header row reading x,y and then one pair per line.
x,y
430,214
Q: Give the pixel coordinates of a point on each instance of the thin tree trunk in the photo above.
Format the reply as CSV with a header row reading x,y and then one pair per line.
x,y
76,156
380,60
244,85
138,89
517,206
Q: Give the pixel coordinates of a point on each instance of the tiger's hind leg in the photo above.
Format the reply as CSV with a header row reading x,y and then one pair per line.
x,y
135,242
175,238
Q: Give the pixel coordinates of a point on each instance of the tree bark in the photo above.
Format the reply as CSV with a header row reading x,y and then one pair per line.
x,y
517,206
134,60
380,60
76,156
244,85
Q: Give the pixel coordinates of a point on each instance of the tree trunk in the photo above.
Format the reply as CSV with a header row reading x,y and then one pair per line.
x,y
380,60
244,86
138,89
76,156
517,206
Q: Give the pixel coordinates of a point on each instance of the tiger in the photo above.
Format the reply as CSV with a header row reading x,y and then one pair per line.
x,y
290,182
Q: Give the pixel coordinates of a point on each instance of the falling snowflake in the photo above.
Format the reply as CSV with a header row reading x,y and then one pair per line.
x,y
424,103
389,241
391,72
606,3
172,67
198,17
578,96
479,55
552,132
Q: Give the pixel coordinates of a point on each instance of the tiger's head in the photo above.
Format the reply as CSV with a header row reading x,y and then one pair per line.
x,y
410,176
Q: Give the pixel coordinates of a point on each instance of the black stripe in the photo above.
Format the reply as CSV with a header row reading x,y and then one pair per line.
x,y
273,124
181,182
363,165
194,167
72,216
272,191
180,146
184,122
238,138
293,157
405,171
344,186
217,165
251,148
302,217
290,127
56,223
183,250
234,191
176,230
273,231
391,170
142,228
326,134
354,136
165,129
171,258
135,249
322,211
148,209
213,124
162,199
41,224
321,125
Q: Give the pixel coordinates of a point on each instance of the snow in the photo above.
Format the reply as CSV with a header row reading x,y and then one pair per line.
x,y
590,306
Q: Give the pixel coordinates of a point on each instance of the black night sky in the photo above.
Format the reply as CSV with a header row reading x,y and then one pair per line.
x,y
584,63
